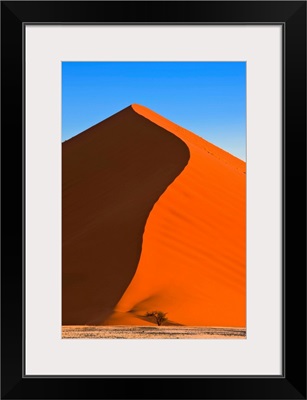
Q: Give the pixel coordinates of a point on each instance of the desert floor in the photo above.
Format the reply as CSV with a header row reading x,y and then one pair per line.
x,y
151,332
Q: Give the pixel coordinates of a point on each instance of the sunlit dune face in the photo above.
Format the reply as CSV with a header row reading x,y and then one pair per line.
x,y
192,263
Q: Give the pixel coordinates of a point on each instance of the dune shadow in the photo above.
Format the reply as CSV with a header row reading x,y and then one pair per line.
x,y
112,175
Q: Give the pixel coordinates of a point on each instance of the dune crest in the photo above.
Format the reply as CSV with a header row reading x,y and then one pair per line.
x,y
189,137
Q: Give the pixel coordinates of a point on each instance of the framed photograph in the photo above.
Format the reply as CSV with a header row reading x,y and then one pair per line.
x,y
153,200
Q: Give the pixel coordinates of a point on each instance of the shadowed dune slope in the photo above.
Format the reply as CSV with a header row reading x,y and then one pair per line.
x,y
192,264
112,175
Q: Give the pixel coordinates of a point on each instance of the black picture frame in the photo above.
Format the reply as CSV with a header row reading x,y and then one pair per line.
x,y
292,16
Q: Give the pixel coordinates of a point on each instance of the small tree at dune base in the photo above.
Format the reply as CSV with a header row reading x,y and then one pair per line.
x,y
159,316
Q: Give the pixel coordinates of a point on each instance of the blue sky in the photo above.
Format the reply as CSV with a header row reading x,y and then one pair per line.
x,y
208,98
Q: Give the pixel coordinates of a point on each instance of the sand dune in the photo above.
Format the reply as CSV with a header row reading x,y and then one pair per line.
x,y
189,260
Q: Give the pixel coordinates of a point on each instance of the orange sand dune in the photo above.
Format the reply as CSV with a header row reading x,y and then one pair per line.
x,y
192,264
112,175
